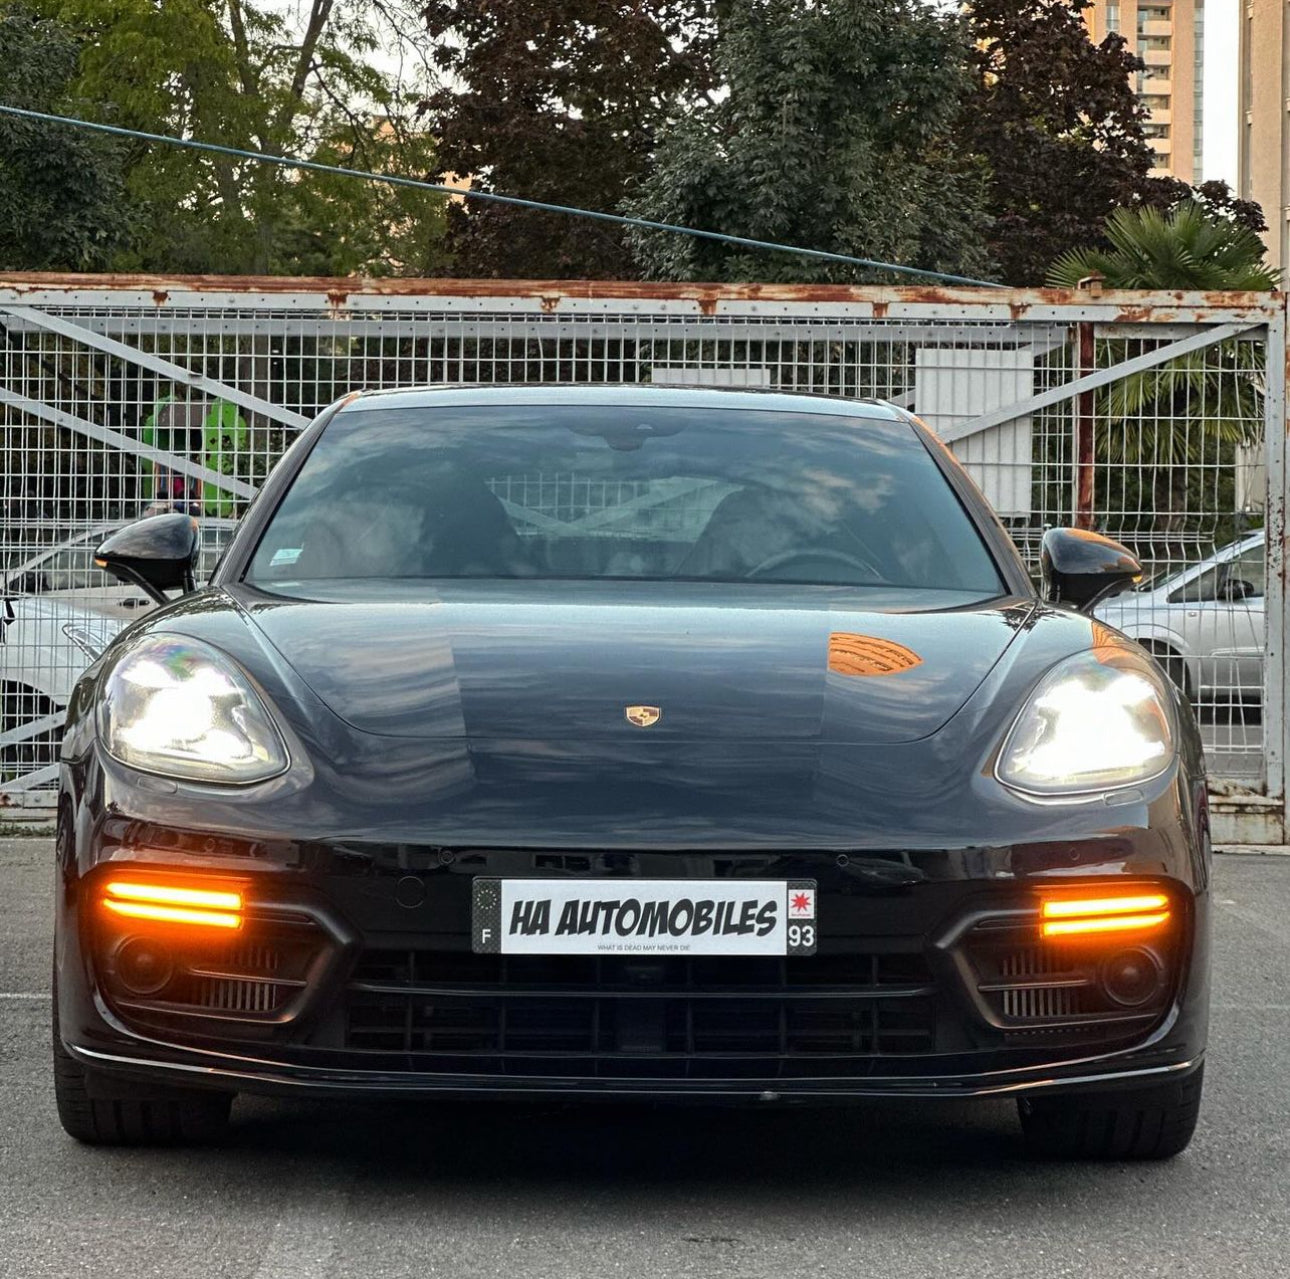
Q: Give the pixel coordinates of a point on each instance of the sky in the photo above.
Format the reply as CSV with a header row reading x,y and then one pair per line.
x,y
1221,71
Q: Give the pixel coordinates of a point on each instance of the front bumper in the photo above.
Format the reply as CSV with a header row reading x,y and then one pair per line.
x,y
927,981
268,1078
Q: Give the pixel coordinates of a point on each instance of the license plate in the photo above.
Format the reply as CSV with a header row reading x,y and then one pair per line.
x,y
644,917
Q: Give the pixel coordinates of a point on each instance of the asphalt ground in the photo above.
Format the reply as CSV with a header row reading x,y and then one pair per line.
x,y
312,1191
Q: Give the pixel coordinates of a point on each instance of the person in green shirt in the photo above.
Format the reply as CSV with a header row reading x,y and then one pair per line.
x,y
211,432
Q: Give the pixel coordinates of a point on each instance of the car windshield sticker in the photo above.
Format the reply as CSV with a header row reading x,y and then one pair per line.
x,y
285,555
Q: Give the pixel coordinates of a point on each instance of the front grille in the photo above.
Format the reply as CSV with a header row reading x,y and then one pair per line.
x,y
251,980
1031,989
674,1017
413,969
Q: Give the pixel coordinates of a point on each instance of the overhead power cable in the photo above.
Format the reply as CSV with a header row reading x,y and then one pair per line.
x,y
313,166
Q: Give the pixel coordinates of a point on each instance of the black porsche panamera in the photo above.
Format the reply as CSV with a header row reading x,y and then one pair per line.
x,y
615,741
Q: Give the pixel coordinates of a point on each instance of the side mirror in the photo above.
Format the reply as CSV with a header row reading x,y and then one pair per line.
x,y
156,554
1081,568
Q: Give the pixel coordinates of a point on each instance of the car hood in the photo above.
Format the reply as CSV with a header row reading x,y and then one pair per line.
x,y
565,662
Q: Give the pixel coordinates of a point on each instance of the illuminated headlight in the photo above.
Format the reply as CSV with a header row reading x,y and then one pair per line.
x,y
1096,721
177,707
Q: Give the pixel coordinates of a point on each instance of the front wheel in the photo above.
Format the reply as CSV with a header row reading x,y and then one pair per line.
x,y
133,1115
1139,1123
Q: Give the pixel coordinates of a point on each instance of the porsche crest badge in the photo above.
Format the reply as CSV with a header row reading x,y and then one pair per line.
x,y
643,716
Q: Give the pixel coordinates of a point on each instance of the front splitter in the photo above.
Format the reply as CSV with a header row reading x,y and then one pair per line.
x,y
275,1079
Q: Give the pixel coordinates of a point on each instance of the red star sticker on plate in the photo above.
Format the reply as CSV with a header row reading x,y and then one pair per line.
x,y
801,903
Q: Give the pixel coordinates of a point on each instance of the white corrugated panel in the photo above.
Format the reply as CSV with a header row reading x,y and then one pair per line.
x,y
1251,477
675,375
955,384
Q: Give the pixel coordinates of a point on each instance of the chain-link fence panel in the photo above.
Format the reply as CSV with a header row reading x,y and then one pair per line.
x,y
1154,419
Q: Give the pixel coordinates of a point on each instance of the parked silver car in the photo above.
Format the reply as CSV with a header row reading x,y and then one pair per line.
x,y
66,572
45,644
1204,623
58,611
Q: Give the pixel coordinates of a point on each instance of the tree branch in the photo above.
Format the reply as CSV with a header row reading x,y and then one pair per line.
x,y
319,15
355,121
246,76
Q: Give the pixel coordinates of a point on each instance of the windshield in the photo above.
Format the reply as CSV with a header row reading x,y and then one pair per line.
x,y
584,493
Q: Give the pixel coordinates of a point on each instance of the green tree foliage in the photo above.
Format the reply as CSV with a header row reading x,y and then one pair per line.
x,y
243,75
1197,408
834,133
1215,198
559,103
336,225
1056,121
62,194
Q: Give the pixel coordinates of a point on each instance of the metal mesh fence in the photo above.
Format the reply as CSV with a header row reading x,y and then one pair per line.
x,y
119,400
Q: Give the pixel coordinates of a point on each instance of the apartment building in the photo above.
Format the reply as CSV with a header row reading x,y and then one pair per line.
x,y
1168,35
1264,118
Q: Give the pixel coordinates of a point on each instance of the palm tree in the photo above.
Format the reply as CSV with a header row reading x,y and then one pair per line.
x,y
1185,248
1200,407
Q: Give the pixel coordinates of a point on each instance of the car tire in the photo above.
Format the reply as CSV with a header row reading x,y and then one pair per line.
x,y
135,1118
1141,1123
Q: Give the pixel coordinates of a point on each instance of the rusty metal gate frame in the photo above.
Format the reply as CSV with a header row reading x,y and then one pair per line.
x,y
86,310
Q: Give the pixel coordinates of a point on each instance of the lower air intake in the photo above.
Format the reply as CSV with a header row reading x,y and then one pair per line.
x,y
667,1018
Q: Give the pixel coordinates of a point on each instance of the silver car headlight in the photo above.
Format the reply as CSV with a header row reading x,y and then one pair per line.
x,y
177,707
1096,721
87,641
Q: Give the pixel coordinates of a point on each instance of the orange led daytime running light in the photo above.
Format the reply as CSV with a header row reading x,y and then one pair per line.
x,y
1108,924
1075,917
1067,908
169,904
174,914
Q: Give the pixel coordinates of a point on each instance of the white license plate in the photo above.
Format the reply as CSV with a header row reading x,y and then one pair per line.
x,y
644,917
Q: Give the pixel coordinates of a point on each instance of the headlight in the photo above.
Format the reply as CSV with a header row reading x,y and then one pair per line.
x,y
1096,721
177,707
